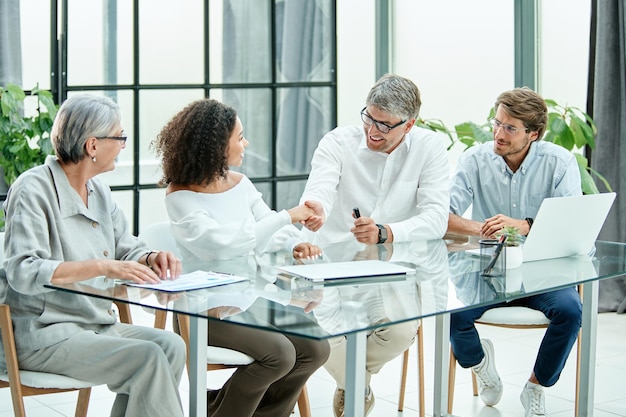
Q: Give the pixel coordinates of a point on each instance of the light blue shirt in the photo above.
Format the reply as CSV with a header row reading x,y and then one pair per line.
x,y
484,180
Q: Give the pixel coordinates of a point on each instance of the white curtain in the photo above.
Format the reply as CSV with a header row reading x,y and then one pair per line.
x,y
10,43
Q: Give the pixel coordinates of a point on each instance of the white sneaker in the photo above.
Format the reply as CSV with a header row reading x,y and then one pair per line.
x,y
534,401
489,383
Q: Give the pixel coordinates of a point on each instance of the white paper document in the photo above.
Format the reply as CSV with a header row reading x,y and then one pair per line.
x,y
192,281
350,269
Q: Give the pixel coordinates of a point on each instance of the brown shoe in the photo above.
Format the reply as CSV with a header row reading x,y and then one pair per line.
x,y
339,402
369,401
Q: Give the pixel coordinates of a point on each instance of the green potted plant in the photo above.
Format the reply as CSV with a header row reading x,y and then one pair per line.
x,y
568,127
513,236
24,139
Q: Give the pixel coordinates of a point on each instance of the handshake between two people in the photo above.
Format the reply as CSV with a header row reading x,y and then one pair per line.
x,y
311,215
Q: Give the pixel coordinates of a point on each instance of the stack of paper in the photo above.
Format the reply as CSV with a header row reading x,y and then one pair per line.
x,y
192,281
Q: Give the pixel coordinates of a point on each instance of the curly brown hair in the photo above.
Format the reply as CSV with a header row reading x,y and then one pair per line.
x,y
193,145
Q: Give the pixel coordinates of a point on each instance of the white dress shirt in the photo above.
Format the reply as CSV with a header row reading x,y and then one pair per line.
x,y
226,225
406,189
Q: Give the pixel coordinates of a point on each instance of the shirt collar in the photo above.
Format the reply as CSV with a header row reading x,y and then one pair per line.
x,y
406,142
70,203
528,160
530,157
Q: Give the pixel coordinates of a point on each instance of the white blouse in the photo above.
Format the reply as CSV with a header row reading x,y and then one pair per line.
x,y
226,225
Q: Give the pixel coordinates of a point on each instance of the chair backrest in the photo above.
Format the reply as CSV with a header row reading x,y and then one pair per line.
x,y
159,236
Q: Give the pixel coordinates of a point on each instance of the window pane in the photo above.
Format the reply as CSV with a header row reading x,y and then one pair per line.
x,y
265,188
304,40
253,106
304,116
459,53
289,193
171,42
99,42
564,29
152,207
124,201
156,108
239,41
35,43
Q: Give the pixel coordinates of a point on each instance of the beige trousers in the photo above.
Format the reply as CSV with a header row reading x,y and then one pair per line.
x,y
142,365
383,345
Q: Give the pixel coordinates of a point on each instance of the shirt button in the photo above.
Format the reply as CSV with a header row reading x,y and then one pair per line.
x,y
514,205
94,224
106,253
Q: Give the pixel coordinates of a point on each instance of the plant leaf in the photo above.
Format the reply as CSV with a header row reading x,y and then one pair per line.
x,y
562,133
599,176
580,140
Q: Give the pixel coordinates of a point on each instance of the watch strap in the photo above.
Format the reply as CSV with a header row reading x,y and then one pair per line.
x,y
382,233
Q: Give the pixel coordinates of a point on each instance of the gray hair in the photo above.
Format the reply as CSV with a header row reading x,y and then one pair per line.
x,y
81,117
397,96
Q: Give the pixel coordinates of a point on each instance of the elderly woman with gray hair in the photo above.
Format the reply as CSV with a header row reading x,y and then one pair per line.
x,y
62,226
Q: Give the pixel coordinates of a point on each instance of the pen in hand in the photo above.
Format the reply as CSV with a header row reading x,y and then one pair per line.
x,y
356,212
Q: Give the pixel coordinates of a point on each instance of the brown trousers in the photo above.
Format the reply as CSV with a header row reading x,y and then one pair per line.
x,y
270,386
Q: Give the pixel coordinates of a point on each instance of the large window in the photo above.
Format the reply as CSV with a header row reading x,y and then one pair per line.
x,y
279,64
273,60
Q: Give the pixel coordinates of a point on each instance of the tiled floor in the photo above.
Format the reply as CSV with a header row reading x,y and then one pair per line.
x,y
515,351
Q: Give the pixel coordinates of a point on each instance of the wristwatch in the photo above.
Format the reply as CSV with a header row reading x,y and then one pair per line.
x,y
382,233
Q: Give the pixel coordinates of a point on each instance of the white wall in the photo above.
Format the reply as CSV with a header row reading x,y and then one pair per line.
x,y
356,54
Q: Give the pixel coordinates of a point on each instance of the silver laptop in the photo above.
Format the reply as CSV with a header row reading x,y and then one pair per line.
x,y
567,226
319,272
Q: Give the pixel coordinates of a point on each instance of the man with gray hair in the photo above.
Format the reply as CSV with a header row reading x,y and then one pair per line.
x,y
396,174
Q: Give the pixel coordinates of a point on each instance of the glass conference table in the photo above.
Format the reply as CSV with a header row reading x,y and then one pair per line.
x,y
447,279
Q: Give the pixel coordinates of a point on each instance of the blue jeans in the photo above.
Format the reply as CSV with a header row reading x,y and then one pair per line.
x,y
562,307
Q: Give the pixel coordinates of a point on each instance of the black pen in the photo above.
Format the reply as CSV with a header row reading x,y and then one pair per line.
x,y
356,212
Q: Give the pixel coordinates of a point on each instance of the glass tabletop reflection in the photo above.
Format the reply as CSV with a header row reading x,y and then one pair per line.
x,y
445,279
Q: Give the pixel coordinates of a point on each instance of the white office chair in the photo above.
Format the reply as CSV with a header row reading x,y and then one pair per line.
x,y
158,236
27,383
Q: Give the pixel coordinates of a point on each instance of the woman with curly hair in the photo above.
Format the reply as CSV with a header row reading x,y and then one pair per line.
x,y
217,214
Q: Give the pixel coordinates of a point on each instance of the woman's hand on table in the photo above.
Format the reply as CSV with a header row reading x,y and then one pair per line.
x,y
165,264
131,271
159,266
